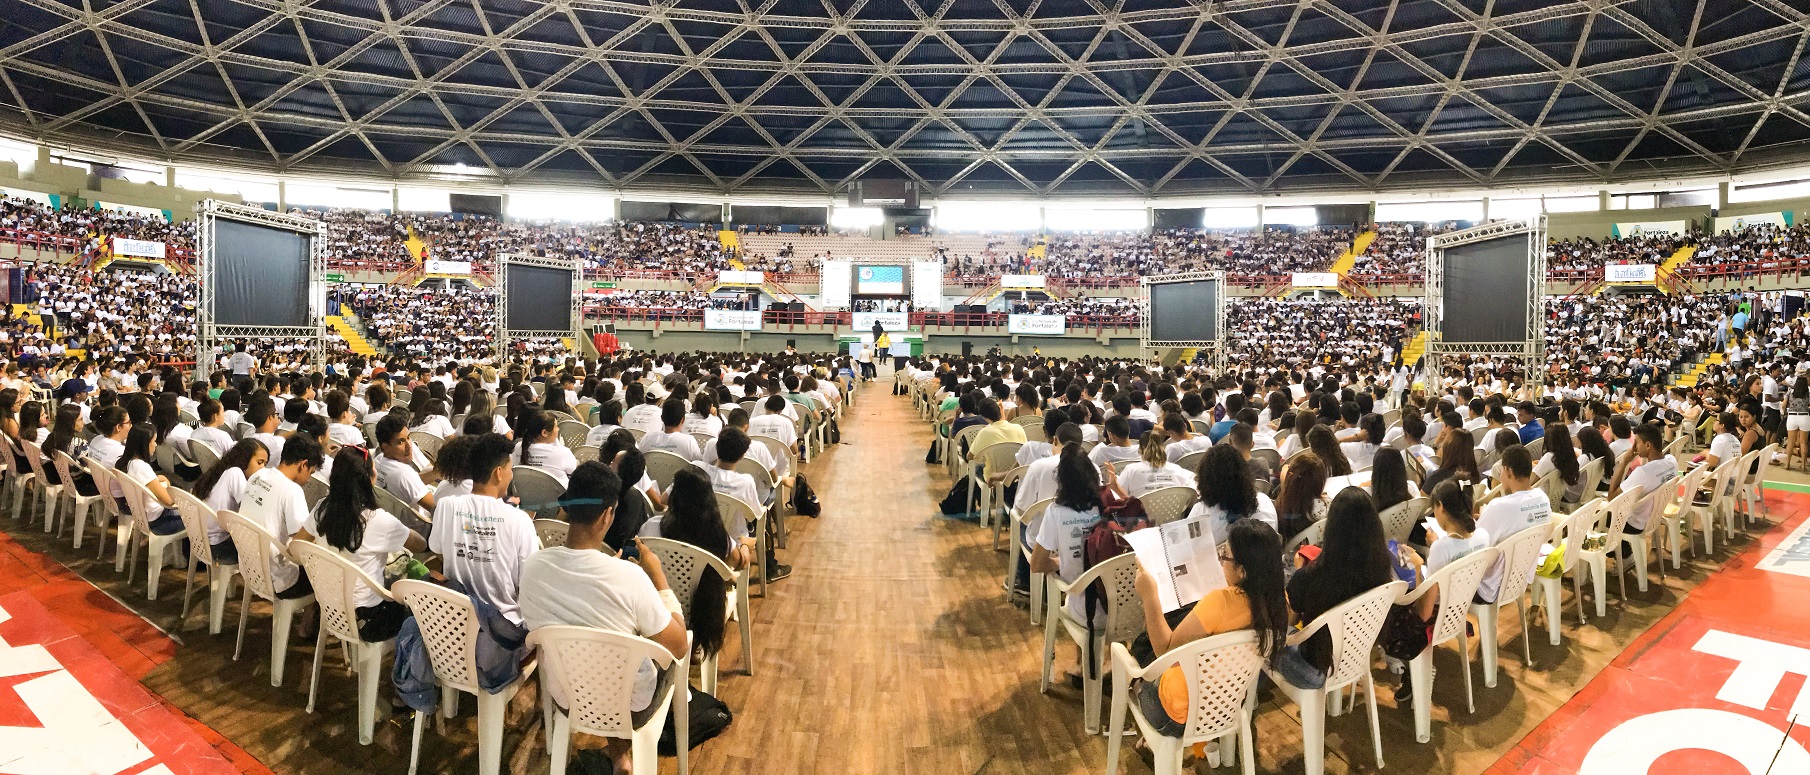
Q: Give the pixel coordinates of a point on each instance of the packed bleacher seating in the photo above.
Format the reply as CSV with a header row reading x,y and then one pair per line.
x,y
1337,334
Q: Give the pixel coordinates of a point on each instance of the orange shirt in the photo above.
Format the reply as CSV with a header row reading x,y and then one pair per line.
x,y
1221,611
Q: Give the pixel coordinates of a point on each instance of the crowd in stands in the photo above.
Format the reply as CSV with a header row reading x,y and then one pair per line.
x,y
420,323
92,225
1134,254
1099,306
1585,253
1334,334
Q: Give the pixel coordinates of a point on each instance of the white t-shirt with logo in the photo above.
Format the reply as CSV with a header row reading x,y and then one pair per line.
x,y
1649,477
401,479
1062,533
280,506
484,543
1139,478
228,491
588,588
1504,517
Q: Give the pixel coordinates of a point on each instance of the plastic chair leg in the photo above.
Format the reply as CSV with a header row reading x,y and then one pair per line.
x,y
707,673
314,678
1420,672
1121,691
415,745
1049,651
1313,731
219,587
1486,633
244,613
1376,729
490,730
370,674
282,614
747,631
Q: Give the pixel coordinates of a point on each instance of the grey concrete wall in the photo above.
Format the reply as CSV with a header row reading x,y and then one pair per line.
x,y
1599,225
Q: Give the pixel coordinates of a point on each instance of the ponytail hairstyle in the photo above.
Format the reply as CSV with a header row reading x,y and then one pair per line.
x,y
350,494
1457,503
1150,450
529,427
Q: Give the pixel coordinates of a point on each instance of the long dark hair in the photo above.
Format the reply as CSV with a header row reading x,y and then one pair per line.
x,y
1077,480
31,418
138,446
1458,456
1326,445
1590,442
692,517
532,424
349,494
1564,456
165,414
1223,480
1355,548
1389,478
62,431
1258,551
239,456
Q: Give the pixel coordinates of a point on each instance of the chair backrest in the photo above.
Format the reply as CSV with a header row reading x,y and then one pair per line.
x,y
1002,456
1218,672
254,543
1399,520
781,451
1124,616
1191,461
1592,474
1353,626
736,511
1200,426
1521,551
1035,433
428,443
685,566
1758,474
1676,448
243,430
964,438
335,581
138,499
1619,511
34,457
662,466
552,532
572,433
1537,447
388,501
165,455
539,491
196,516
1552,485
1028,421
1575,528
187,417
65,467
315,490
204,454
584,453
1272,459
591,673
1168,504
449,629
1747,472
1457,583
1309,535
763,479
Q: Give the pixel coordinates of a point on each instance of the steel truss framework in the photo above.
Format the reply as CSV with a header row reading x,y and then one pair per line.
x,y
1150,98
1531,347
211,335
1216,345
503,332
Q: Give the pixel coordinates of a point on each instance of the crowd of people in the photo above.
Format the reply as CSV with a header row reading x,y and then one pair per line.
x,y
1134,254
1337,334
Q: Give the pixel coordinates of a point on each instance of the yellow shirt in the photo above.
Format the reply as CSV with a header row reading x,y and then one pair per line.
x,y
995,433
1223,610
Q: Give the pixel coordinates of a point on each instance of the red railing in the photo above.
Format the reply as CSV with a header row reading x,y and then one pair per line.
x,y
993,320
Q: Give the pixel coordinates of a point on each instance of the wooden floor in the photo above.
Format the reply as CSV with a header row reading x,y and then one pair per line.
x,y
891,649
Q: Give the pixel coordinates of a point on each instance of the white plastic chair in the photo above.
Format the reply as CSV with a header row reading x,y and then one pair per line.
x,y
589,679
1720,494
1353,626
572,433
538,490
1747,489
1021,553
255,545
1519,553
1220,671
685,565
34,457
195,518
1122,621
1399,520
139,502
1457,585
1168,504
1616,516
78,503
1640,544
1680,512
449,630
1001,458
662,466
551,532
1568,535
336,581
19,483
734,509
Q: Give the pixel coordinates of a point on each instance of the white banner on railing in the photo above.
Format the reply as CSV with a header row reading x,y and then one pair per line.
x,y
1316,280
1039,325
433,266
1738,222
739,277
890,321
1642,228
1629,273
1018,281
731,320
137,247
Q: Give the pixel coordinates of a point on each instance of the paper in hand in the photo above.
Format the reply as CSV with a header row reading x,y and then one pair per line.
x,y
1183,557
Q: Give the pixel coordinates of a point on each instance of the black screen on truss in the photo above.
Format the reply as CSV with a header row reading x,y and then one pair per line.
x,y
1184,311
540,298
260,275
1485,291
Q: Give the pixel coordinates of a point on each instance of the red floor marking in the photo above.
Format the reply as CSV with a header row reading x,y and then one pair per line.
x,y
1711,688
107,650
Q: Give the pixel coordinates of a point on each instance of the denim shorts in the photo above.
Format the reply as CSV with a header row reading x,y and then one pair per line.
x,y
1150,702
1298,671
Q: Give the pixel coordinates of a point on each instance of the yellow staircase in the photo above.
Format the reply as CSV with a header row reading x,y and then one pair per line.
x,y
1416,348
1665,270
1348,259
354,340
1689,380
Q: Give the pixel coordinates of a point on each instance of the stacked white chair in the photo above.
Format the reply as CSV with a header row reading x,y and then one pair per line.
x,y
1568,537
1221,673
1353,626
1519,553
78,503
1457,585
685,565
336,580
255,545
449,630
195,518
734,510
139,502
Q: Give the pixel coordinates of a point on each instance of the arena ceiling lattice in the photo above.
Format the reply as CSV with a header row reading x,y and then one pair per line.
x,y
1024,97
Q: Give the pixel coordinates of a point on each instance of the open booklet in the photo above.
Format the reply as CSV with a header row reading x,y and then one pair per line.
x,y
1183,557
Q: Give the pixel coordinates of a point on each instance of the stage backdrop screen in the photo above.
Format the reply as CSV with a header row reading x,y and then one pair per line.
x,y
1486,291
261,275
888,280
1184,311
540,298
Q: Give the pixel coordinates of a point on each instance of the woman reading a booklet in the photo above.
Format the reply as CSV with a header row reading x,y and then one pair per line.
x,y
1253,599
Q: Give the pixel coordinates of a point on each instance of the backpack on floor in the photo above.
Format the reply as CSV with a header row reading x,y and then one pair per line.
x,y
804,499
709,717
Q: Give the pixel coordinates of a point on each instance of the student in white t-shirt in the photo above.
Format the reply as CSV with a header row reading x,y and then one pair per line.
x,y
1452,511
609,418
1117,448
344,428
1153,471
579,584
350,522
263,418
671,437
1227,493
223,488
539,446
1726,445
1647,470
273,498
703,416
396,465
213,428
482,540
1519,508
110,426
774,423
135,461
1058,543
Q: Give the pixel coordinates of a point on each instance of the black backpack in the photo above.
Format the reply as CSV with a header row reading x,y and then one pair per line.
x,y
709,717
804,499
